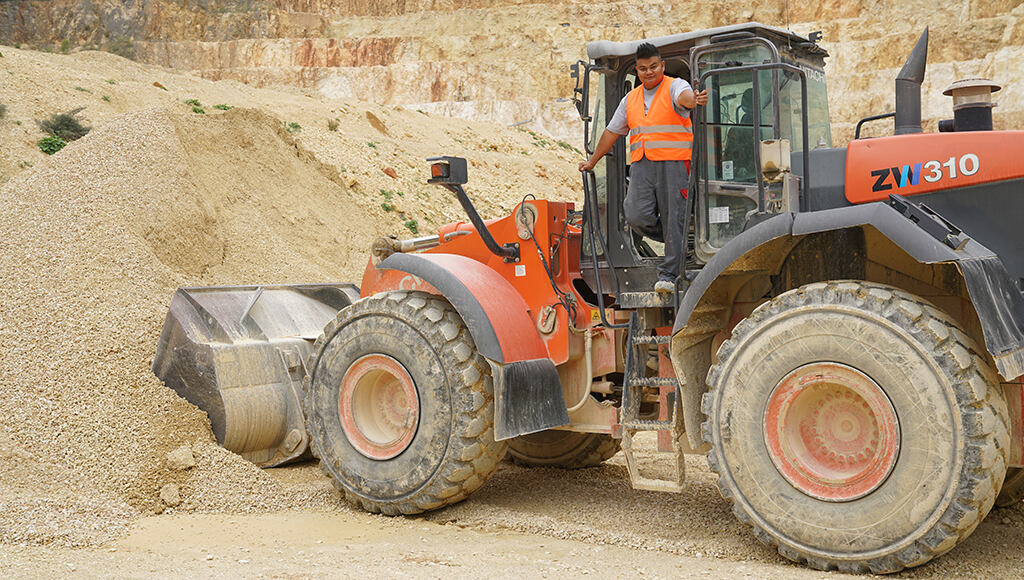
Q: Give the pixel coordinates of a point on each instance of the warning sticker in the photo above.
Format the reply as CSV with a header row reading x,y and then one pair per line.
x,y
727,173
718,215
520,270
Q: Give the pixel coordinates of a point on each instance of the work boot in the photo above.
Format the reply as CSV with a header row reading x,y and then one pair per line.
x,y
665,287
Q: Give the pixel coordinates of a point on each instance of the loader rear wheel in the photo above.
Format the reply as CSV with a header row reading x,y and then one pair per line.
x,y
565,449
855,427
400,406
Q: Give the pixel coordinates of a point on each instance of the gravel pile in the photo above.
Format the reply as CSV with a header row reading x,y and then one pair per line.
x,y
93,246
95,239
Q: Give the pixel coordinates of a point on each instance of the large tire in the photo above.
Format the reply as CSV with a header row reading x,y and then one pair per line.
x,y
400,406
565,449
928,435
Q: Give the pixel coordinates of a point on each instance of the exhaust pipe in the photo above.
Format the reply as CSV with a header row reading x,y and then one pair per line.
x,y
908,89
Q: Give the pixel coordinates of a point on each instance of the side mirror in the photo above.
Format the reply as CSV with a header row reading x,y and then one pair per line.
x,y
445,170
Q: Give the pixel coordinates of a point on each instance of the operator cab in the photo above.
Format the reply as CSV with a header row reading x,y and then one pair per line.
x,y
763,82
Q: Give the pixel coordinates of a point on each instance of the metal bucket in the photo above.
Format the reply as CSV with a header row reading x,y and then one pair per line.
x,y
239,354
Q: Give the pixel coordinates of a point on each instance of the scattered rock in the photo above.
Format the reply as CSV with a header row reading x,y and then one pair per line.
x,y
170,495
376,122
390,172
181,459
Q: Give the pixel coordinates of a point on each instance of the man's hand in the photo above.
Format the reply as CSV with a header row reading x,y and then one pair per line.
x,y
701,97
587,165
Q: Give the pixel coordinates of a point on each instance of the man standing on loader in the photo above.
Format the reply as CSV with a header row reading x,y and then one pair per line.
x,y
656,116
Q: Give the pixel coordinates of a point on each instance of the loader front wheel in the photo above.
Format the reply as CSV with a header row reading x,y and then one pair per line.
x,y
400,406
565,449
856,427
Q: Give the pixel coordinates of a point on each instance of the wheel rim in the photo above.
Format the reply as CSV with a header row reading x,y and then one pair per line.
x,y
379,406
831,431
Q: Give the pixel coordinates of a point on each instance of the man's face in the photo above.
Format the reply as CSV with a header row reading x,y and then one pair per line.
x,y
650,71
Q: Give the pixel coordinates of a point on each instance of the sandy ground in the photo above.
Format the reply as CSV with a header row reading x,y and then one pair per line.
x,y
533,523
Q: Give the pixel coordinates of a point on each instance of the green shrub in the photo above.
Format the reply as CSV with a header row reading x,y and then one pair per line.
x,y
83,89
387,206
413,226
332,124
106,98
65,126
111,82
371,144
193,102
51,144
65,46
122,47
223,107
293,128
198,109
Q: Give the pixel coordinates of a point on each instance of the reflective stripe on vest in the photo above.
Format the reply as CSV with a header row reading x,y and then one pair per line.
x,y
660,133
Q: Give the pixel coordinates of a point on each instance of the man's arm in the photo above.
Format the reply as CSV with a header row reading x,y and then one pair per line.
x,y
691,99
604,145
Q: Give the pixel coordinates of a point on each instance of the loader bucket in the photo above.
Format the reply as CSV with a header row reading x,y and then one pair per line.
x,y
239,354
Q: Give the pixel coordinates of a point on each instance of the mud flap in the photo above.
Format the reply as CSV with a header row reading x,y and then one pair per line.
x,y
527,398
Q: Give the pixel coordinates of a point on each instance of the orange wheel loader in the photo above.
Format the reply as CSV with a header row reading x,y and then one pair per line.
x,y
844,341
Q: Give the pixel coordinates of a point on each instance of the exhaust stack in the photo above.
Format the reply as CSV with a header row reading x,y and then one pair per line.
x,y
908,89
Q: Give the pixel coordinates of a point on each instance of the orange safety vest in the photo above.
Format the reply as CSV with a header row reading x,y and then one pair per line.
x,y
660,134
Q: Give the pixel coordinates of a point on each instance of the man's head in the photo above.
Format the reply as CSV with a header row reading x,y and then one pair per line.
x,y
650,69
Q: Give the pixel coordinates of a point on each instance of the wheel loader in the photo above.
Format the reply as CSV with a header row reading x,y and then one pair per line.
x,y
844,340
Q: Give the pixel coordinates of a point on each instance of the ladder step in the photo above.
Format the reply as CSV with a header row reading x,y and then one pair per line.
x,y
649,425
648,339
654,382
639,481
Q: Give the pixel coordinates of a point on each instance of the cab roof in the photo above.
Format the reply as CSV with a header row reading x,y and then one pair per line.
x,y
608,49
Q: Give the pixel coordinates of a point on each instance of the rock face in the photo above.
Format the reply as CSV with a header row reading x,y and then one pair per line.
x,y
507,60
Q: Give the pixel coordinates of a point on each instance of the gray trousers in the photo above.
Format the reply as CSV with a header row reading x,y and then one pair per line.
x,y
654,206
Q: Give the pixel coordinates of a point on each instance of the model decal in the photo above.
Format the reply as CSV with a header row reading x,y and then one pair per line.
x,y
967,165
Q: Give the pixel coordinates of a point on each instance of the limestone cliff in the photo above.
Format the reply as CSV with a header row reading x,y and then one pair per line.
x,y
507,60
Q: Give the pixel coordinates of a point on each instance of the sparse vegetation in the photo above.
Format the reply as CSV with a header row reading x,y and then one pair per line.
x,y
65,46
198,110
538,141
64,126
333,124
122,47
223,107
111,82
413,226
3,111
388,194
387,206
51,144
371,144
193,102
83,90
293,128
568,147
106,98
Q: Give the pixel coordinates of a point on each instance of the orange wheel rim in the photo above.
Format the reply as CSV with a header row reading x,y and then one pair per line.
x,y
831,431
379,406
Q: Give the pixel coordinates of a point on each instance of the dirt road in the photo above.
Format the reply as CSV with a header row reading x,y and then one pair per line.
x,y
524,522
